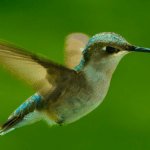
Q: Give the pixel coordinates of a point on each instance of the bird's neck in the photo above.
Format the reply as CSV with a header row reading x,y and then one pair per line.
x,y
98,71
98,78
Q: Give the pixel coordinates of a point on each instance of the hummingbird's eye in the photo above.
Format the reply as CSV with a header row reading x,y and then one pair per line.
x,y
110,50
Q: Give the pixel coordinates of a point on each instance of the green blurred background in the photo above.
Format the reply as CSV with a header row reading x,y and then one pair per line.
x,y
122,121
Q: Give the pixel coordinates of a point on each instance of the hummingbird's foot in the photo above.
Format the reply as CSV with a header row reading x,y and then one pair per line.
x,y
60,122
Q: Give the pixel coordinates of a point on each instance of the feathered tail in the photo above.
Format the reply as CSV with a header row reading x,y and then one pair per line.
x,y
27,113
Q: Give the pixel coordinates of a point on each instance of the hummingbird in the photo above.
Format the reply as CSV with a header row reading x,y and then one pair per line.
x,y
63,94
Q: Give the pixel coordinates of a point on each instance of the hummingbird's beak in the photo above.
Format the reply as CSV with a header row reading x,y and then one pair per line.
x,y
140,49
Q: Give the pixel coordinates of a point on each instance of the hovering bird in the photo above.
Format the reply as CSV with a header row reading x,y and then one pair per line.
x,y
64,95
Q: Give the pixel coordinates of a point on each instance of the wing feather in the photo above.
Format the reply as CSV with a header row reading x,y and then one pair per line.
x,y
75,44
37,71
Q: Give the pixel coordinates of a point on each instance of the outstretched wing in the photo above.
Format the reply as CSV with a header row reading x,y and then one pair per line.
x,y
75,44
38,72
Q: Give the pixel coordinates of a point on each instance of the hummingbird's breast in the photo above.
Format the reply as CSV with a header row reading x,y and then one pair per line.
x,y
78,99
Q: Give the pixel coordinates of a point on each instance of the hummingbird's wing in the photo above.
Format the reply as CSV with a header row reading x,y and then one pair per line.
x,y
38,72
75,44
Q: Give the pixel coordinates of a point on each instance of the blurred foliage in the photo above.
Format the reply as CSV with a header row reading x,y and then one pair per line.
x,y
122,121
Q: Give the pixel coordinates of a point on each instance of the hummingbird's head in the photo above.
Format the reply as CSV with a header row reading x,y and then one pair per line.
x,y
106,50
106,47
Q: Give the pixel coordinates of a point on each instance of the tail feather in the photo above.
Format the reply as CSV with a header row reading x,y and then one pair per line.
x,y
25,114
9,124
